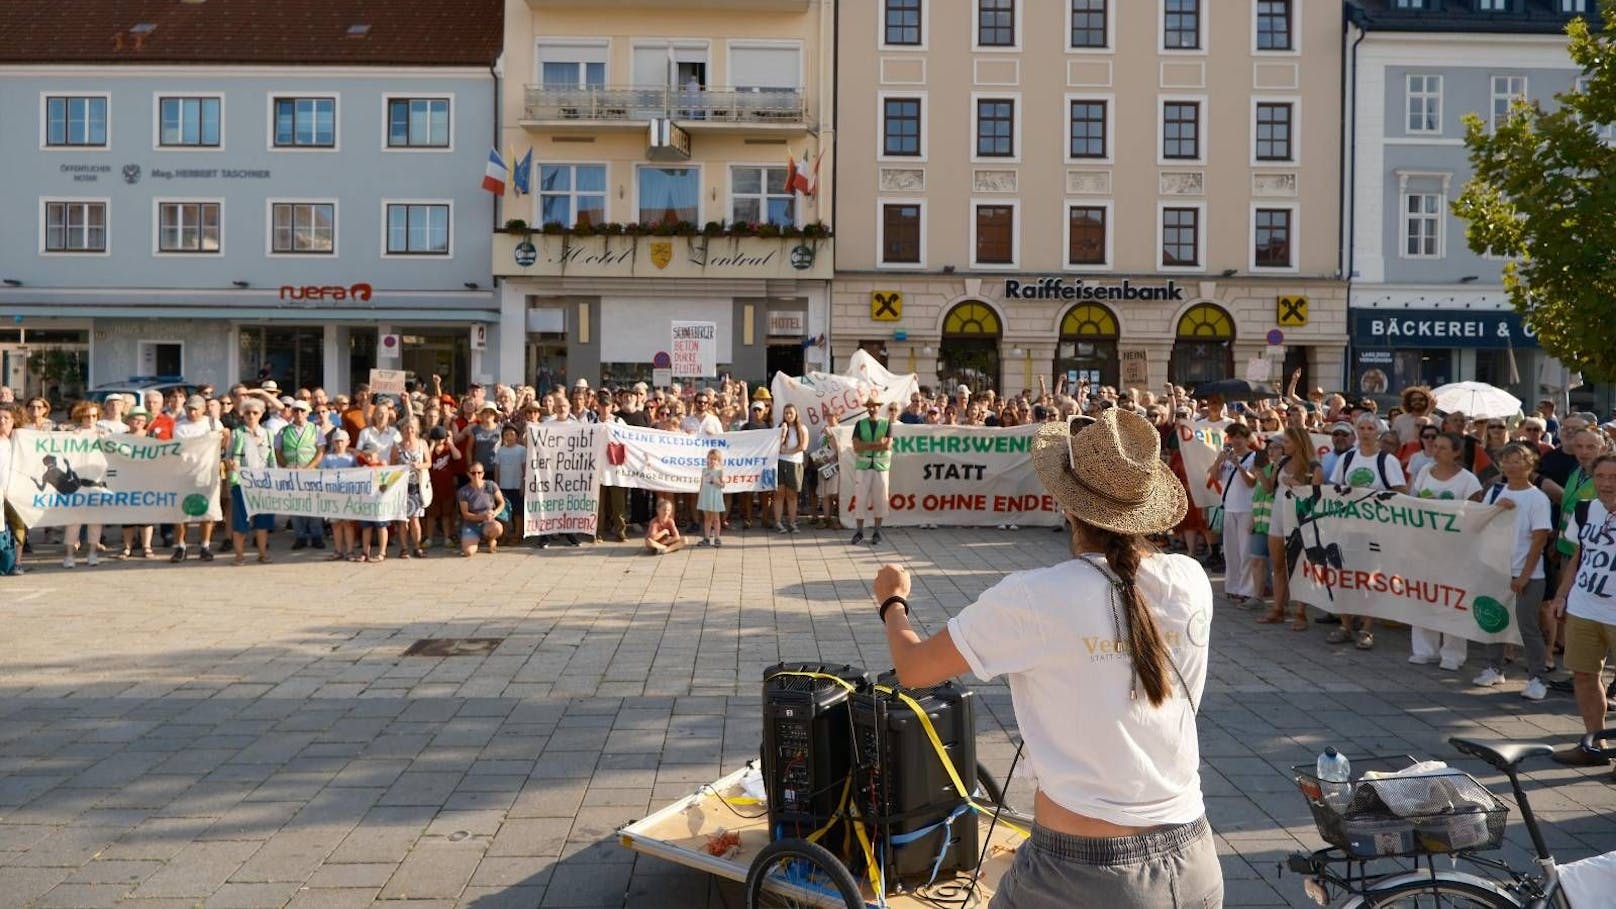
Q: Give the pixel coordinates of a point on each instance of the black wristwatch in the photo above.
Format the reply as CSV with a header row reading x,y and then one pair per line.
x,y
887,604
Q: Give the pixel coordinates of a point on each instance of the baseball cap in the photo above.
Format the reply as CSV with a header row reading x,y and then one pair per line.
x,y
301,405
963,389
370,445
138,411
287,400
438,434
1341,427
196,401
488,407
759,405
342,434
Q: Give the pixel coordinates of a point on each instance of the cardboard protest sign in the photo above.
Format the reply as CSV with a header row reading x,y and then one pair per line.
x,y
695,349
387,382
562,483
955,476
672,461
344,494
1438,564
60,478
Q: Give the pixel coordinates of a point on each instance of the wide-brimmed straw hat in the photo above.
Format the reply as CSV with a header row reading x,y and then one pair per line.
x,y
1110,473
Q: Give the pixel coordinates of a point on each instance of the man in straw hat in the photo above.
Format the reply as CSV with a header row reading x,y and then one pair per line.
x,y
872,467
1126,626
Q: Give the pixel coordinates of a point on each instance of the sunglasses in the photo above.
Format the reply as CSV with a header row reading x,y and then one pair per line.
x,y
1428,435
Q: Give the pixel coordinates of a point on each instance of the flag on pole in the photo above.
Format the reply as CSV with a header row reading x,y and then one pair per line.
x,y
800,179
495,174
522,177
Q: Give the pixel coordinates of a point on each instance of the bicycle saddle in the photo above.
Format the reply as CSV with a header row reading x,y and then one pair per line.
x,y
1503,756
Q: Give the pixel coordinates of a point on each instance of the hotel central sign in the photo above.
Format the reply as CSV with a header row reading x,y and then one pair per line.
x,y
1055,288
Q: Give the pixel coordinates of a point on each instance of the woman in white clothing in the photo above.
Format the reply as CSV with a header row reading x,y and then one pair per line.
x,y
1235,470
1444,480
793,442
1120,820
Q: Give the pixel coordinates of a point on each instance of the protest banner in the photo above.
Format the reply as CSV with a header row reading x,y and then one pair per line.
x,y
387,382
1443,565
562,486
345,494
826,399
672,461
60,478
1200,443
955,476
695,350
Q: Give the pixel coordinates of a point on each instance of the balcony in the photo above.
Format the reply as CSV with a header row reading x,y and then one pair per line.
x,y
648,256
631,107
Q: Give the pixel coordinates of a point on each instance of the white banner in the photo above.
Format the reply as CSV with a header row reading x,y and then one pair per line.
x,y
344,494
60,478
826,399
672,461
1431,563
695,350
1200,443
956,476
562,489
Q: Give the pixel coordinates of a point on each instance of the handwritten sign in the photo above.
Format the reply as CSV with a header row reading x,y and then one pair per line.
x,y
695,349
387,381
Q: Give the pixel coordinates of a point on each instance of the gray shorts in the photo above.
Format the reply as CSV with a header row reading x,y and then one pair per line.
x,y
1176,867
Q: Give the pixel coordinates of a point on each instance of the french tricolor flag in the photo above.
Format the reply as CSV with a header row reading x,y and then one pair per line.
x,y
495,175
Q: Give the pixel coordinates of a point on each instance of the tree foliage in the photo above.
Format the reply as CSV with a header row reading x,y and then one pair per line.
x,y
1543,195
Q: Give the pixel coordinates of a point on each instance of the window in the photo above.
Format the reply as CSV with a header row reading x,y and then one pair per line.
x,y
995,234
1413,4
759,195
1271,246
1422,225
996,23
572,194
901,22
900,127
1089,23
1181,130
1573,6
305,122
574,64
188,227
303,228
1274,25
1506,91
1492,6
1605,131
669,195
188,122
76,121
1181,237
76,227
1424,104
1181,24
995,128
900,233
1274,131
418,123
1088,130
764,67
1085,242
417,229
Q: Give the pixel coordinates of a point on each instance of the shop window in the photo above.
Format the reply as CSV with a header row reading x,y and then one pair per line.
x,y
1087,348
969,354
294,356
1204,349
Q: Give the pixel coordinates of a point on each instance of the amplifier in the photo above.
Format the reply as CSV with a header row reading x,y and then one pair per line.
x,y
901,785
807,754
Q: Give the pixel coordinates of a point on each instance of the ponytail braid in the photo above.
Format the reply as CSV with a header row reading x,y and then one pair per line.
x,y
1123,552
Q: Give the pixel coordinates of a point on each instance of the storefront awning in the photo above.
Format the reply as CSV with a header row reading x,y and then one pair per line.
x,y
255,314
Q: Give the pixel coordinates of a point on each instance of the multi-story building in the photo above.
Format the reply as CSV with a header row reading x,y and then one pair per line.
x,y
236,191
1121,191
660,135
1424,309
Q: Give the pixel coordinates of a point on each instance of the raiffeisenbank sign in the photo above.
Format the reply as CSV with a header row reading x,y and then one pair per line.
x,y
1057,288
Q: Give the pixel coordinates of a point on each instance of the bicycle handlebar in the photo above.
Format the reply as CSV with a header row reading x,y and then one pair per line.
x,y
1592,741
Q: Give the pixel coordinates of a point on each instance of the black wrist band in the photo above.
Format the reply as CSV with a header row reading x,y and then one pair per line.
x,y
887,604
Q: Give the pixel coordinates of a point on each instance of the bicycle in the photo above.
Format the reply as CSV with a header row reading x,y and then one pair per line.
x,y
1425,885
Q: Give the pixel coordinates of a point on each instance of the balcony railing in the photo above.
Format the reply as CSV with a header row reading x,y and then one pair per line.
x,y
637,104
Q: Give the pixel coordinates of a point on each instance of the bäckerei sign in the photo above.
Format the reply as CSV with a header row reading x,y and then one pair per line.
x,y
1055,288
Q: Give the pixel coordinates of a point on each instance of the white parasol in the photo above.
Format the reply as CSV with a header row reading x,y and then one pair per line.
x,y
1476,399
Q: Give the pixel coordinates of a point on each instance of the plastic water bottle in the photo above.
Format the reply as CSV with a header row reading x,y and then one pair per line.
x,y
1335,778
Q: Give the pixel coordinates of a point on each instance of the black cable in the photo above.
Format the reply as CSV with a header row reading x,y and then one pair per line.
x,y
725,802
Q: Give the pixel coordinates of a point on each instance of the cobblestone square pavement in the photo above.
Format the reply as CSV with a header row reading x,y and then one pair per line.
x,y
204,735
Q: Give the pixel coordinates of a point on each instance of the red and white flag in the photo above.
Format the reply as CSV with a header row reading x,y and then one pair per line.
x,y
495,174
801,179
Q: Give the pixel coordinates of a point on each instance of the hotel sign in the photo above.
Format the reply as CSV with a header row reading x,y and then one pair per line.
x,y
1056,288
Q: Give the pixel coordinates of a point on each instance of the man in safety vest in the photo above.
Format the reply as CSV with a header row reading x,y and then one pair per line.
x,y
298,445
872,466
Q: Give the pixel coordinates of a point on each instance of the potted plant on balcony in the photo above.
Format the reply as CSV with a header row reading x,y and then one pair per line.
x,y
517,226
815,230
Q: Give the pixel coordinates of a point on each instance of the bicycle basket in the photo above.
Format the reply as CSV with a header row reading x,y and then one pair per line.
x,y
1438,812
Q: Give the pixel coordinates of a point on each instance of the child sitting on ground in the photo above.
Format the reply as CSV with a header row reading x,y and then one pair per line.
x,y
662,533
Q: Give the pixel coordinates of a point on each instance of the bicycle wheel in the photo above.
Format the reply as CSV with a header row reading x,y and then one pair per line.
x,y
988,785
796,874
1445,890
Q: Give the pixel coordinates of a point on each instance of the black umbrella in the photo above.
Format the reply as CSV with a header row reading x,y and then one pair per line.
x,y
1235,390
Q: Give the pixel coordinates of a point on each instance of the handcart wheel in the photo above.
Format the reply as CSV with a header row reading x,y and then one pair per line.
x,y
794,873
988,786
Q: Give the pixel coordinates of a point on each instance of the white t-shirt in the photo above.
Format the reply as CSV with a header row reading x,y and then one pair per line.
x,y
385,440
1358,470
789,440
194,429
111,425
701,425
1236,494
1094,749
1593,595
1460,486
1532,512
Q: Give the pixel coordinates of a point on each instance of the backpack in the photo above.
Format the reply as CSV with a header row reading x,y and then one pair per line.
x,y
8,550
1380,466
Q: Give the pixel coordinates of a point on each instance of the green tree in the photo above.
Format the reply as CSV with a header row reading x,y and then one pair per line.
x,y
1544,195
